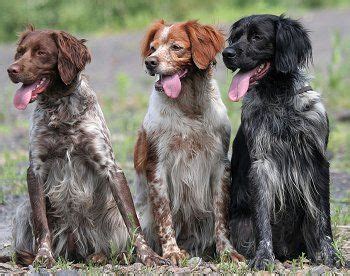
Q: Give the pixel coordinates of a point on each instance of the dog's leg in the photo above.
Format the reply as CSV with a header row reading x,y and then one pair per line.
x,y
241,225
44,255
328,254
318,226
262,201
122,195
221,205
163,219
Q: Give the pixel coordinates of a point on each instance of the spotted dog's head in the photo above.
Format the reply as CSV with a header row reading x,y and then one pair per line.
x,y
45,58
261,43
173,51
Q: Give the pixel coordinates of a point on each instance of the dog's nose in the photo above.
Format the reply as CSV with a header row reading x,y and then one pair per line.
x,y
228,52
13,69
151,62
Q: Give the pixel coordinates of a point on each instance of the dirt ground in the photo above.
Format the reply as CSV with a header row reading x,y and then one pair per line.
x,y
119,53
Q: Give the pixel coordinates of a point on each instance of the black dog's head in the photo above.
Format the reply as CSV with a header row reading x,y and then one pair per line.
x,y
259,43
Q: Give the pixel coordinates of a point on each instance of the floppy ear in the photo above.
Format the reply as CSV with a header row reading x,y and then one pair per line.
x,y
145,50
72,56
206,43
293,45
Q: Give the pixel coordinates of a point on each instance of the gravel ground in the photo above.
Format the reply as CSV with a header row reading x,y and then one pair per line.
x,y
119,53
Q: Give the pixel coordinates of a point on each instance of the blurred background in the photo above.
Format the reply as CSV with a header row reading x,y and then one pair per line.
x,y
114,30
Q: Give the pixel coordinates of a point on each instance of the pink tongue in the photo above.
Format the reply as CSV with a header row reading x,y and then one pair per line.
x,y
239,85
171,85
23,96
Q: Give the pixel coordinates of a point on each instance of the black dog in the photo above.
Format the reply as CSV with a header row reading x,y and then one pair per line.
x,y
280,174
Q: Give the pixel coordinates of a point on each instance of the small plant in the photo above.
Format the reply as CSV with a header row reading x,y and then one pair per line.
x,y
129,254
13,258
184,262
62,264
295,266
270,267
2,196
114,254
338,251
302,260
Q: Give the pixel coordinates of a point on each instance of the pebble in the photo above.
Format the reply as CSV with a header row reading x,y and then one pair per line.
x,y
6,266
206,271
318,270
67,272
213,267
108,267
195,261
138,266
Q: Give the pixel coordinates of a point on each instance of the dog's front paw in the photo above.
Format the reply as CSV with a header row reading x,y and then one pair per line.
x,y
44,258
231,255
149,258
263,259
97,259
329,256
176,255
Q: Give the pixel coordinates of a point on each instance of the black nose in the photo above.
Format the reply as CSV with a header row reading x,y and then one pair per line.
x,y
13,69
228,52
151,62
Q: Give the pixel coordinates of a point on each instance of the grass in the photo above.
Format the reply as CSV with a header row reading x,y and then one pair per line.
x,y
104,16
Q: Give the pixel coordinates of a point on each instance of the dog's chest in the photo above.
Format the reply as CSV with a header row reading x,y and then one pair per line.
x,y
269,123
183,140
59,158
189,154
48,144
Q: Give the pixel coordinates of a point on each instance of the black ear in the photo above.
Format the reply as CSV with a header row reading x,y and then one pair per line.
x,y
293,45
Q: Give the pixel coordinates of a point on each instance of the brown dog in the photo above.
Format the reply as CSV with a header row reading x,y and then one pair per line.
x,y
183,172
80,201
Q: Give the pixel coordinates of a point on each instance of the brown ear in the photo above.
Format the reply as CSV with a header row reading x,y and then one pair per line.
x,y
206,43
29,28
145,50
73,55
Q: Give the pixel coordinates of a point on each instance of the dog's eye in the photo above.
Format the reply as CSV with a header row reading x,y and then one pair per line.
x,y
176,47
19,53
257,37
40,53
152,48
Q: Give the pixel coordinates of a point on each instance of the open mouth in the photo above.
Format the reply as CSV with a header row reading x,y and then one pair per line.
x,y
28,93
170,84
242,81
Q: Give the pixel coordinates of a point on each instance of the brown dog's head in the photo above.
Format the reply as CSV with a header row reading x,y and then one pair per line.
x,y
171,50
45,58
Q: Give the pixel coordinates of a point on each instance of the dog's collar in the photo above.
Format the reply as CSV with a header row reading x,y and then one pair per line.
x,y
304,89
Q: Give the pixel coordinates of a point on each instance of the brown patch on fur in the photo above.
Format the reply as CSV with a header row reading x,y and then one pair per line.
x,y
206,43
164,224
72,55
140,152
200,43
24,258
145,155
145,50
98,259
221,209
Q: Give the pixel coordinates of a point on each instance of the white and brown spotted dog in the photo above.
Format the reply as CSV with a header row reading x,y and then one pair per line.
x,y
181,153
